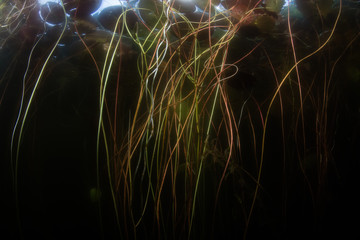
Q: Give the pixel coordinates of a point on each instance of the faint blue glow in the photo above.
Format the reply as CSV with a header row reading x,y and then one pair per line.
x,y
104,3
288,2
220,8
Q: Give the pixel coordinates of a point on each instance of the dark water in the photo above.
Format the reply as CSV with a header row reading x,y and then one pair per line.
x,y
309,180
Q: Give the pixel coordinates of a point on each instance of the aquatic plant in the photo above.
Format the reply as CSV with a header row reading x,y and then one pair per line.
x,y
175,119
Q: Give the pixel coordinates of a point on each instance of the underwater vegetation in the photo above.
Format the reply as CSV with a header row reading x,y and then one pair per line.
x,y
180,119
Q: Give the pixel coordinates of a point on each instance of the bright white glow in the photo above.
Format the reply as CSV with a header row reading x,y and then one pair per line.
x,y
288,2
46,1
107,3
